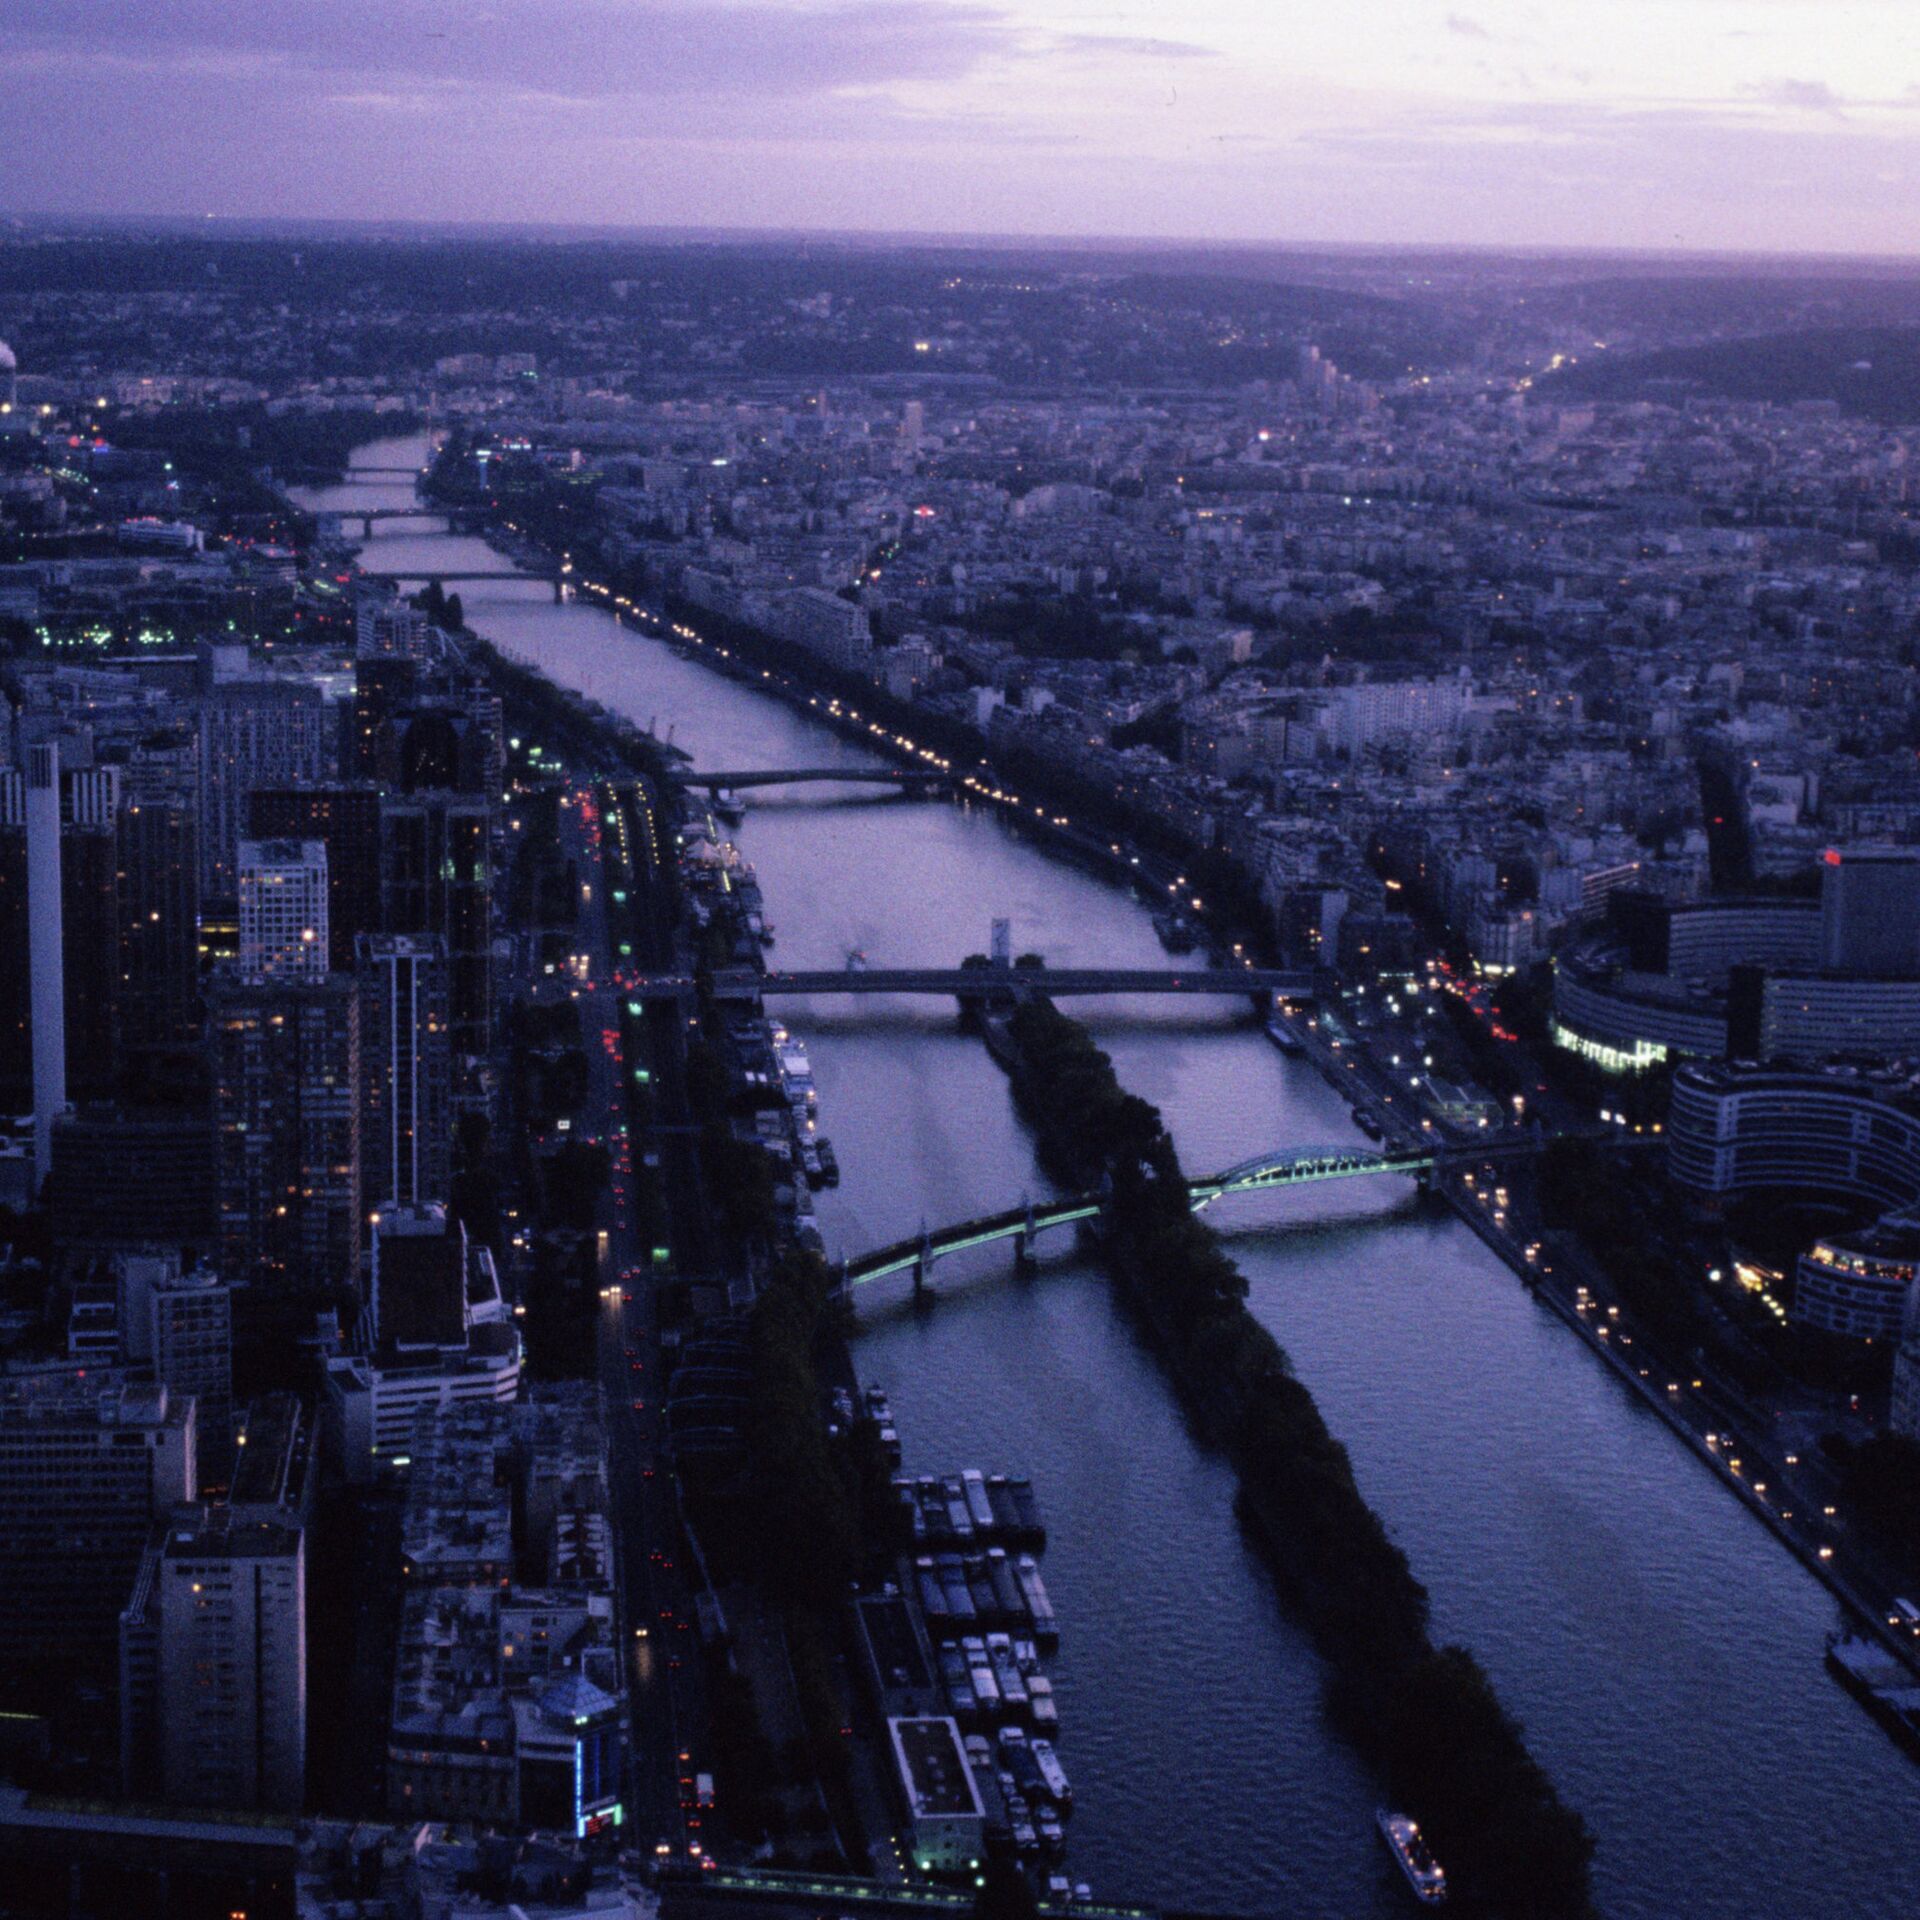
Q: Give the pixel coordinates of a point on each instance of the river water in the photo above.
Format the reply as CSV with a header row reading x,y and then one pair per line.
x,y
1662,1650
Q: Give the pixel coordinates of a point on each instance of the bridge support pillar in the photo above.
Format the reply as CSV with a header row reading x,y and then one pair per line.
x,y
366,527
1023,1248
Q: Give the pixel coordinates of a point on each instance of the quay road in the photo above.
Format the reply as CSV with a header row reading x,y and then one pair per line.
x,y
1768,1457
666,1710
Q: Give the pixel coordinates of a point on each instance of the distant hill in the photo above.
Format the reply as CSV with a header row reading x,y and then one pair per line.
x,y
1870,371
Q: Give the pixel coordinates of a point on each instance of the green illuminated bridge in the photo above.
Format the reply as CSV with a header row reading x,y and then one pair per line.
x,y
1291,1167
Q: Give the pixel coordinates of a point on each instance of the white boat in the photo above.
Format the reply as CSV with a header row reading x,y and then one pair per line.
x,y
1413,1857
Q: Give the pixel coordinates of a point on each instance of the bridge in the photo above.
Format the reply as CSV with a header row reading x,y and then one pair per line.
x,y
982,983
796,776
394,578
366,516
1264,1173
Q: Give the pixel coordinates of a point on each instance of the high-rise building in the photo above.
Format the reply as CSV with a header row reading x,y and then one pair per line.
x,y
157,1000
85,1470
386,626
382,687
287,1131
180,1324
126,1180
406,1139
347,820
283,910
438,882
47,962
1870,910
254,733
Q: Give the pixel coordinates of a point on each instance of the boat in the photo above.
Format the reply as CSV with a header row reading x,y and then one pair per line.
x,y
1176,934
1413,1857
1059,1788
729,806
973,1483
1027,1571
1283,1036
1882,1684
1369,1126
856,961
829,1164
1041,1704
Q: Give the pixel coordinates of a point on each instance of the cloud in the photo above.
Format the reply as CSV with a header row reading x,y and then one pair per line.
x,y
1807,96
580,49
1465,27
1142,49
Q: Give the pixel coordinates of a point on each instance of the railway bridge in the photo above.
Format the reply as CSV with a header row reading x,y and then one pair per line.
x,y
1263,1173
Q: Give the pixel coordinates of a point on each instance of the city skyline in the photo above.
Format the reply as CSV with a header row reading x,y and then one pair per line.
x,y
1729,125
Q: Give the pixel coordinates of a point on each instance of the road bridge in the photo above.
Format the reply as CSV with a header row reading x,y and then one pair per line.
x,y
342,517
798,776
1264,1173
984,983
420,575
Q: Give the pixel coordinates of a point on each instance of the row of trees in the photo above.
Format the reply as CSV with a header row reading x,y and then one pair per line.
x,y
1424,1715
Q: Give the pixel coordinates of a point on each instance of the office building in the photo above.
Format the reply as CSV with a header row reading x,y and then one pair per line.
x,y
47,959
125,1180
181,1325
383,685
157,1003
85,1470
438,884
253,733
63,1858
386,626
287,1131
213,1663
1870,910
442,1338
406,1121
283,910
346,820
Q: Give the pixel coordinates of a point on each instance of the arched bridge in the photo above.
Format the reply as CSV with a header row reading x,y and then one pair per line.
x,y
1286,1167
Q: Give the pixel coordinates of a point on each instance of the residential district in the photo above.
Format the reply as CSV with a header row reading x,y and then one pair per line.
x,y
405,1153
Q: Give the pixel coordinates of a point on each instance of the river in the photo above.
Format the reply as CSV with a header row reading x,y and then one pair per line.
x,y
1662,1650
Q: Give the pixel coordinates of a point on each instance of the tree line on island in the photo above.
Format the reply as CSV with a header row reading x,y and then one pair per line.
x,y
1425,1717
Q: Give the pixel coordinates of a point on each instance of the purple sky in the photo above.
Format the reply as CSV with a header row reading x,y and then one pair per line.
x,y
1764,124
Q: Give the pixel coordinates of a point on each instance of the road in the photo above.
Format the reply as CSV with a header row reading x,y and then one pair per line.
x,y
666,1708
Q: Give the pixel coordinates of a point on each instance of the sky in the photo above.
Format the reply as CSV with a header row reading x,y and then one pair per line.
x,y
1775,125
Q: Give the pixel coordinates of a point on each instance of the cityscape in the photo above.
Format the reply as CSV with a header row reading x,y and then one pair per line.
x,y
870,1070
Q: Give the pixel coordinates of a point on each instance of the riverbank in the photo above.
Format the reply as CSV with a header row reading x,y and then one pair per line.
x,y
1425,1716
1652,1641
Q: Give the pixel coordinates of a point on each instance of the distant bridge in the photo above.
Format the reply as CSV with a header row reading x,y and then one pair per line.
x,y
983,983
366,516
1264,1173
399,576
796,776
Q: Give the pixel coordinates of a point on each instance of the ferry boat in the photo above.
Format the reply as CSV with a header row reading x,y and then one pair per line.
x,y
729,806
1413,1857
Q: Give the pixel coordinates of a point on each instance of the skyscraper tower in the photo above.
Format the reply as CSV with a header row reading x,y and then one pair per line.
x,y
46,950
